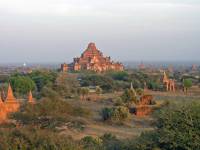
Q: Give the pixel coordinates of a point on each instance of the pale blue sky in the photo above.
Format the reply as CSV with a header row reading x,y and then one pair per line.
x,y
134,30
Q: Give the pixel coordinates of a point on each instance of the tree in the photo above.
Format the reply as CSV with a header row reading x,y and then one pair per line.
x,y
187,83
115,114
43,78
106,83
22,84
177,128
140,91
122,75
66,85
129,96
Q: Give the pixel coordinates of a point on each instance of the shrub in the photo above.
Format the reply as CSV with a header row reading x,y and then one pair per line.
x,y
90,142
116,114
119,102
32,139
22,84
106,113
177,127
110,142
120,114
129,96
104,82
48,113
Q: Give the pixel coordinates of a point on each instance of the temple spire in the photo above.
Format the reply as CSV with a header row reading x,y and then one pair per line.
x,y
30,98
165,76
10,97
132,86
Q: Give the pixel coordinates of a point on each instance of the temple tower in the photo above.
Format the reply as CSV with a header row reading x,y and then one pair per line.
x,y
11,103
169,83
30,98
10,97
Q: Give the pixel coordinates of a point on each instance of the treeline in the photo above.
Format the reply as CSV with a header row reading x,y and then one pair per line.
x,y
69,84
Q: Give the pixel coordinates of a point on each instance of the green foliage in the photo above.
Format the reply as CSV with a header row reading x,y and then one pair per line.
x,y
116,114
187,83
48,113
119,102
4,78
106,113
104,82
22,84
34,139
139,91
129,96
110,142
120,114
90,142
66,85
177,128
43,78
122,75
153,85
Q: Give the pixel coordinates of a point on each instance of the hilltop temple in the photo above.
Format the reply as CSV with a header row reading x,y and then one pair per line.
x,y
92,59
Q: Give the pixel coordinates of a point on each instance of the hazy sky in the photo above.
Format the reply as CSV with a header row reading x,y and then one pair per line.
x,y
58,30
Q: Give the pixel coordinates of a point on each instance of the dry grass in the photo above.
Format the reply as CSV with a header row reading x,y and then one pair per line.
x,y
94,126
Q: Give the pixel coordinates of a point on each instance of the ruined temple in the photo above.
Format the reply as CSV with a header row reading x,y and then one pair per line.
x,y
169,83
93,59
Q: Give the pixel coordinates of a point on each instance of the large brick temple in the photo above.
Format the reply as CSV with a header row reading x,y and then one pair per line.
x,y
92,59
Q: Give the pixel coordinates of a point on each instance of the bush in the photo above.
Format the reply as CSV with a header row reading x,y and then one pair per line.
x,y
104,82
43,78
122,76
22,84
110,142
48,113
129,96
177,127
106,113
34,139
119,102
116,114
120,114
90,142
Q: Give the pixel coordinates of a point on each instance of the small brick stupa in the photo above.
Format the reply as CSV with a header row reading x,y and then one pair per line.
x,y
8,104
30,98
11,103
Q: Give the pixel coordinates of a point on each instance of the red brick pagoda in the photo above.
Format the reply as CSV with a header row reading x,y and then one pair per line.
x,y
93,59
